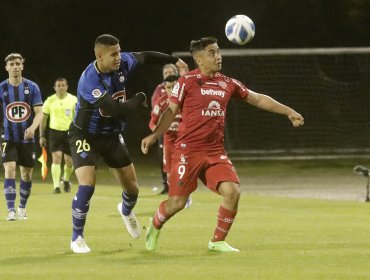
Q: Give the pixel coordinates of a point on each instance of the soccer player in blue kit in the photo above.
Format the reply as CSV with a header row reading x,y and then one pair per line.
x,y
21,103
96,130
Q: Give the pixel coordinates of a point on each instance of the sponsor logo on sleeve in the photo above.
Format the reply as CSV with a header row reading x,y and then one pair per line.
x,y
96,93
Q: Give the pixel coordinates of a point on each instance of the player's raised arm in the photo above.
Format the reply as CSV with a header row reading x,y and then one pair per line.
x,y
164,123
269,104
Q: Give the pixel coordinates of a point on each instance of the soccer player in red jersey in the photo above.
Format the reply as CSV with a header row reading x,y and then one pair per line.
x,y
202,95
170,135
160,92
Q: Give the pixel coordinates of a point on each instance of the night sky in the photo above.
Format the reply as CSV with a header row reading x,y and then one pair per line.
x,y
56,36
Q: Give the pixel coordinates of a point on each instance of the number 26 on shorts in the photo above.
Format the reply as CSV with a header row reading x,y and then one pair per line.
x,y
82,146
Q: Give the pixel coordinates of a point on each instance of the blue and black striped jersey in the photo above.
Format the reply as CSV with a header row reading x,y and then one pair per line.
x,y
17,105
92,86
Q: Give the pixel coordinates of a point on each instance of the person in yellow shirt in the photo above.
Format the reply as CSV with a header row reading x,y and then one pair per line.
x,y
60,108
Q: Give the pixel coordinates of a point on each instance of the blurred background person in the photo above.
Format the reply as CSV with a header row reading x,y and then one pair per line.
x,y
59,110
160,92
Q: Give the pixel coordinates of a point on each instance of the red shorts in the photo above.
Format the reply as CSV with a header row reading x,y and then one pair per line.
x,y
168,150
212,168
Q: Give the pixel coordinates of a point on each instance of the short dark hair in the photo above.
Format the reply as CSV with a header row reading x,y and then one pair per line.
x,y
107,40
14,56
61,79
199,45
171,78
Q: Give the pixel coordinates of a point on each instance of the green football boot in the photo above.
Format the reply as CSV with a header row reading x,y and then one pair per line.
x,y
221,246
151,236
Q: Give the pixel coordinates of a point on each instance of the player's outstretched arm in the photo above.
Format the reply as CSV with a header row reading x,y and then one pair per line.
x,y
120,110
164,123
269,104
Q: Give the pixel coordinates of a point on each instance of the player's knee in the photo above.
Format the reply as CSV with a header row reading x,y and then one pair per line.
x,y
131,186
68,161
230,191
176,204
26,176
9,171
57,159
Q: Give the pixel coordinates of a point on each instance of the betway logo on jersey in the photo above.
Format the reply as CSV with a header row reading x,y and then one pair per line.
x,y
18,111
213,110
212,92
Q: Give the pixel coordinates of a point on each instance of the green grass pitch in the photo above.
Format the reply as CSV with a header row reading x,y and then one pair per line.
x,y
280,237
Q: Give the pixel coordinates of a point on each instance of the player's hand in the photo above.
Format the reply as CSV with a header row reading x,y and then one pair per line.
x,y
29,133
42,141
147,142
182,66
296,119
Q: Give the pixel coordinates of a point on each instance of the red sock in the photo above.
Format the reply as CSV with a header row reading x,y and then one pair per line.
x,y
161,216
225,219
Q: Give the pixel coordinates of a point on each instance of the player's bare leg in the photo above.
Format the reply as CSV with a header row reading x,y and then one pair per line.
x,y
166,210
80,206
126,177
228,209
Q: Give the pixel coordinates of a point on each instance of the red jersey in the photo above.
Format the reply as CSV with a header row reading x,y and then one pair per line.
x,y
158,108
157,93
203,102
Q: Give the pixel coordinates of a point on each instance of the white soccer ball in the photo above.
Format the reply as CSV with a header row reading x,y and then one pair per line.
x,y
240,29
